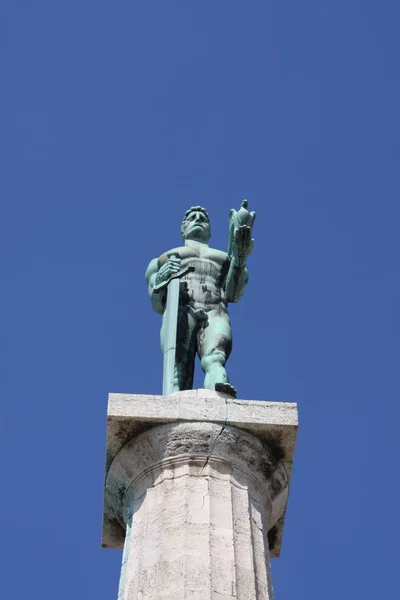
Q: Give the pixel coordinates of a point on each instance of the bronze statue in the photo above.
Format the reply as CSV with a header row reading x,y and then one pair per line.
x,y
191,286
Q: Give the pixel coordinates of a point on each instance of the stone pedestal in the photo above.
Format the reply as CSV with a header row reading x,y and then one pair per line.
x,y
196,494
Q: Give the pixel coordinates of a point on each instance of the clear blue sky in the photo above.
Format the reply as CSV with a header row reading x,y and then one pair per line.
x,y
117,116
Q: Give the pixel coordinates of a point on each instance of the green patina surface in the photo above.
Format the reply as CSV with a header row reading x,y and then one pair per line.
x,y
191,286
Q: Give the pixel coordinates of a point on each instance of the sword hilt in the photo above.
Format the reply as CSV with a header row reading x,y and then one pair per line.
x,y
158,288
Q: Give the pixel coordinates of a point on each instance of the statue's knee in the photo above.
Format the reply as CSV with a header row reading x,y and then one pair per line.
x,y
216,358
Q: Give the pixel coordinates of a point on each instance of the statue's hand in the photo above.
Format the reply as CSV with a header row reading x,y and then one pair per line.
x,y
170,267
242,245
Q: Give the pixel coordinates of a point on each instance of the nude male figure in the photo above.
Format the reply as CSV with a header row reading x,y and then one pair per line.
x,y
218,278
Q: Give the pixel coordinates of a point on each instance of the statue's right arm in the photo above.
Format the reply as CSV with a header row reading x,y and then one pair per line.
x,y
157,300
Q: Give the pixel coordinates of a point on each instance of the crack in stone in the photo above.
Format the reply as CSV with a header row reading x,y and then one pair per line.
x,y
216,438
204,500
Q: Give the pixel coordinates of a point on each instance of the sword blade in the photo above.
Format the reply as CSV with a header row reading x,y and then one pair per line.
x,y
171,325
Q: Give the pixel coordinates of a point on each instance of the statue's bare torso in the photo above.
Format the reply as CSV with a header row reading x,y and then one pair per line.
x,y
203,287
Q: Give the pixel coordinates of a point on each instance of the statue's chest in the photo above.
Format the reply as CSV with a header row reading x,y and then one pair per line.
x,y
210,265
194,255
208,268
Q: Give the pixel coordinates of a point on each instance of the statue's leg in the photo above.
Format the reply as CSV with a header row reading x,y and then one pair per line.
x,y
214,346
185,350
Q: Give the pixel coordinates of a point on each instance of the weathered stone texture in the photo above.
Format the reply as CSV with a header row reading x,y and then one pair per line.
x,y
197,501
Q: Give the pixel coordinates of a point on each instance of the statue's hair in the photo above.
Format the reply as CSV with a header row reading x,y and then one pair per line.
x,y
188,212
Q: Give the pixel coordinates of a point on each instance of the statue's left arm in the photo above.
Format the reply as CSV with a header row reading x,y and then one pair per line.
x,y
236,282
238,275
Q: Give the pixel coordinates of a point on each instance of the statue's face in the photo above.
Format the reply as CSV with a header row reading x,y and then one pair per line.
x,y
197,226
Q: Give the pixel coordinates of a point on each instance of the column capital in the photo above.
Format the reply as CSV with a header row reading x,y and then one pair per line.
x,y
197,433
195,449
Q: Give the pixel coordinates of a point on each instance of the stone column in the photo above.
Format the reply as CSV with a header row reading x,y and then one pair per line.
x,y
197,500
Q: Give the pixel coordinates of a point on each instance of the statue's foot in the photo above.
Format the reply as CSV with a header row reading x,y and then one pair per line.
x,y
226,388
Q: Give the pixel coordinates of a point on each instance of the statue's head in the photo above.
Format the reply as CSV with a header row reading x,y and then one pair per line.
x,y
196,224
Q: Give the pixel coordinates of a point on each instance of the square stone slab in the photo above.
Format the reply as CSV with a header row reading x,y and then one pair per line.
x,y
131,414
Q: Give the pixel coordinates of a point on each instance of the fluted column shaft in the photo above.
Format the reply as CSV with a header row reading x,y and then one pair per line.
x,y
197,500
